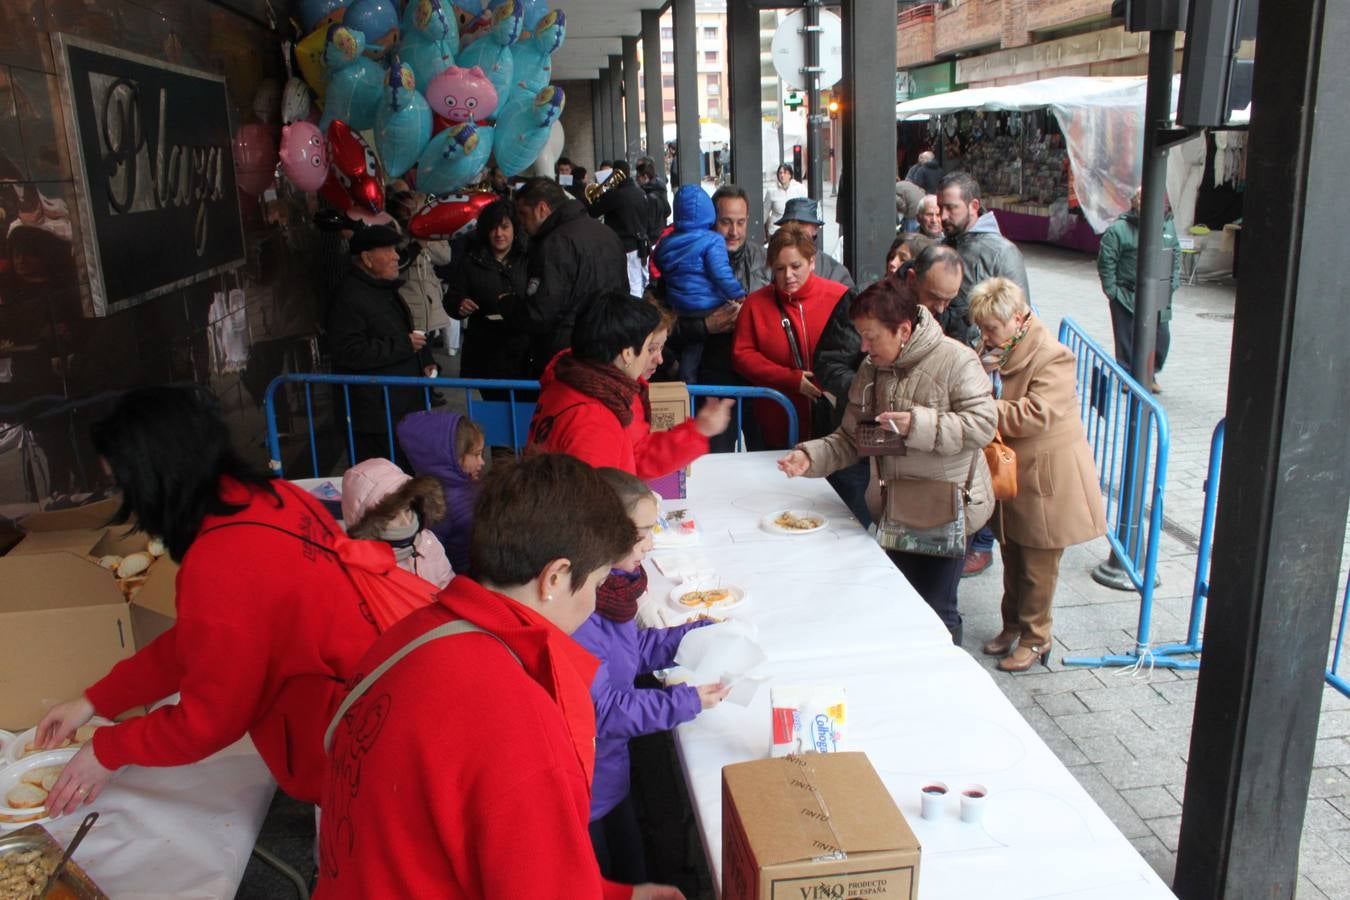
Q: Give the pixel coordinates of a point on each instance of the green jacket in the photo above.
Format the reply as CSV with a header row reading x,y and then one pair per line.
x,y
1118,261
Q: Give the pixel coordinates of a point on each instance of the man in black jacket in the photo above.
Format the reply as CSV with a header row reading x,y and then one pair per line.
x,y
926,173
624,209
658,200
370,332
572,257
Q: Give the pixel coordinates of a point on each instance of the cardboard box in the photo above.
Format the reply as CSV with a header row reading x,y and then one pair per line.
x,y
78,530
814,826
670,406
65,624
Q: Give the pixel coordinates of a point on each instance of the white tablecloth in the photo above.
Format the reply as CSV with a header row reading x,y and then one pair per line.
x,y
182,832
831,609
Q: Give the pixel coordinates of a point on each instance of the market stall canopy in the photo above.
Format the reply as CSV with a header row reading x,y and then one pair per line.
x,y
1102,120
711,136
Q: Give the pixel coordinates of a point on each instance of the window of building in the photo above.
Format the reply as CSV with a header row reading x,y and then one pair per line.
x,y
667,81
710,56
667,34
714,84
710,34
669,106
667,57
714,107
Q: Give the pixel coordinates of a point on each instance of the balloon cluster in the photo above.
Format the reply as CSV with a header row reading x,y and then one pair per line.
x,y
444,90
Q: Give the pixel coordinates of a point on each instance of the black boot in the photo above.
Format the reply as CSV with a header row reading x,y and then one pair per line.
x,y
957,631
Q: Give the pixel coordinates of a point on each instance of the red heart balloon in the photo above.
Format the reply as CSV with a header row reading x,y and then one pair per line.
x,y
444,217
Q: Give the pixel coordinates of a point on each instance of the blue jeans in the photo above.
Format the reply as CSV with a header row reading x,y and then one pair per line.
x,y
983,541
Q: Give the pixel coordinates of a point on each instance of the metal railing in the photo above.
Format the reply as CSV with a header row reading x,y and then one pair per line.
x,y
505,422
1334,676
1128,433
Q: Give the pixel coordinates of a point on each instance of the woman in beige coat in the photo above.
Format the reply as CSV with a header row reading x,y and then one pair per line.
x,y
1059,500
931,391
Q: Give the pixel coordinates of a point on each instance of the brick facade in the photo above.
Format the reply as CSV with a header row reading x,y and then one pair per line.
x,y
925,33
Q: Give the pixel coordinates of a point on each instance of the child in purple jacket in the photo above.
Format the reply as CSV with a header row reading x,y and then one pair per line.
x,y
449,447
621,710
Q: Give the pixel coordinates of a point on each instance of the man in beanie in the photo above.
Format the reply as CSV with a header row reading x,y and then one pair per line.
x,y
370,332
807,212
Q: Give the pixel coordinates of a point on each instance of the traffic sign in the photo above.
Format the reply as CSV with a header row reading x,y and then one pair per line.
x,y
789,49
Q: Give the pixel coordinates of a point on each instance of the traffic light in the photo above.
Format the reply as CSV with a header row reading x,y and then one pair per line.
x,y
834,109
797,161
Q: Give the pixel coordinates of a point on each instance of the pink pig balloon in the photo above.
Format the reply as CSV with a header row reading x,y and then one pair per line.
x,y
304,155
462,95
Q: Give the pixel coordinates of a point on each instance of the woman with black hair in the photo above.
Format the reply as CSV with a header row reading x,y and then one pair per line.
x,y
270,625
493,268
593,399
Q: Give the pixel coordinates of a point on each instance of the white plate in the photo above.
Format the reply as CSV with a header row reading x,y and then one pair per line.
x,y
13,773
14,749
768,523
735,597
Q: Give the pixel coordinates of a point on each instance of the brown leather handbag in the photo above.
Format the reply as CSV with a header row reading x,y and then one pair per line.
x,y
1002,461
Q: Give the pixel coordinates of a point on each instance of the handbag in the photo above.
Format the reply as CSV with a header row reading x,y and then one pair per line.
x,y
821,409
1002,461
874,438
924,516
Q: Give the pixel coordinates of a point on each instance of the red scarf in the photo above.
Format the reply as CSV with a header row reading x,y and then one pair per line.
x,y
617,596
559,664
602,381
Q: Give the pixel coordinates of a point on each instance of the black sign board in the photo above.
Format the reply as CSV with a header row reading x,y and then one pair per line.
x,y
151,148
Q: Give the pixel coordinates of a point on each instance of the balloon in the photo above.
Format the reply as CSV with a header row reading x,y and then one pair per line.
x,y
534,11
474,20
454,158
304,155
427,58
493,53
255,158
377,20
402,123
533,56
313,12
354,173
446,217
309,57
462,95
523,129
431,20
267,100
355,83
295,101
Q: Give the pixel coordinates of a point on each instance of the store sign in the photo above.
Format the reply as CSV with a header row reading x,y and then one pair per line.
x,y
151,147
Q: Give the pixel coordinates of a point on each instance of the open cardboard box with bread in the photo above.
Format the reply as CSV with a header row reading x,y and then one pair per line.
x,y
66,614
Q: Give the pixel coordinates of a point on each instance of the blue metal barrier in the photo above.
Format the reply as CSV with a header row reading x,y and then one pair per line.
x,y
505,423
1128,433
1334,676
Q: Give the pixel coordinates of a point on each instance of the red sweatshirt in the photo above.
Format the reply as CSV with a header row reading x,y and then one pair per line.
x,y
269,627
464,772
762,355
568,421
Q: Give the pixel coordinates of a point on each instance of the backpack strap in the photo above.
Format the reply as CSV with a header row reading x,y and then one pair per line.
x,y
449,629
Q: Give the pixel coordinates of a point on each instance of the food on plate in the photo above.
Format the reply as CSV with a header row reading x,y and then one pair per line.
x,y
43,777
79,738
23,873
706,598
25,796
793,522
19,820
134,564
111,561
155,548
704,617
85,732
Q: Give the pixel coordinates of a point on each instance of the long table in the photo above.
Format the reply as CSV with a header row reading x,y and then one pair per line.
x,y
829,608
181,832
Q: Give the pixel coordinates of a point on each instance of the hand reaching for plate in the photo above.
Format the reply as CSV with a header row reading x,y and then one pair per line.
x,y
795,463
712,694
61,721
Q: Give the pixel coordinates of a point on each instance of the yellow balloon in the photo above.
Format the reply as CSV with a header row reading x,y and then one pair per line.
x,y
309,56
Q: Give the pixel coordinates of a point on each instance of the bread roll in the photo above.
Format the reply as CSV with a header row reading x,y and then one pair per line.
x,y
111,561
25,796
155,548
134,564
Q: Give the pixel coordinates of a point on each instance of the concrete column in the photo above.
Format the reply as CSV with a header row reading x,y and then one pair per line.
x,y
867,197
747,142
632,130
688,170
597,125
651,86
617,140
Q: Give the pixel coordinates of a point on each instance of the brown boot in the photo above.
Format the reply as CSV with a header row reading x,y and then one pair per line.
x,y
1000,645
1024,657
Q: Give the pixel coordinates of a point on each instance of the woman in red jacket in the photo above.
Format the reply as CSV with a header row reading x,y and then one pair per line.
x,y
778,330
269,624
462,768
593,397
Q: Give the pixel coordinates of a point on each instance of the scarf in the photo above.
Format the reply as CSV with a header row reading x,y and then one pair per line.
x,y
603,382
617,596
1002,352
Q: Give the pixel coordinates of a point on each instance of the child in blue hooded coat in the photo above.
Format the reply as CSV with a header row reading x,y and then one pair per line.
x,y
449,447
695,267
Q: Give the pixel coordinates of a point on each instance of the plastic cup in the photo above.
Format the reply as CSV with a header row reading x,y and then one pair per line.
x,y
973,798
932,798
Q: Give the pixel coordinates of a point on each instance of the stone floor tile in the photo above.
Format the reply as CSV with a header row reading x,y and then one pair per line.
x,y
1152,802
1341,802
1308,891
1167,829
1338,841
1329,782
1321,816
1176,691
1153,851
1168,716
1109,799
1092,724
1125,696
1148,772
1105,748
1332,752
1335,723
1319,862
1178,791
1060,704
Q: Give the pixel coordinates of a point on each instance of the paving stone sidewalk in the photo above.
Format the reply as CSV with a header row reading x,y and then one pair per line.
x,y
1126,735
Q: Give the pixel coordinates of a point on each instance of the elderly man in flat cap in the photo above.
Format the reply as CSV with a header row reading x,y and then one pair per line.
x,y
370,332
807,212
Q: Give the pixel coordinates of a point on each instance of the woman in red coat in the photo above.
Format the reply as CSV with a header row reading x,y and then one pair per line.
x,y
269,624
464,770
593,397
767,354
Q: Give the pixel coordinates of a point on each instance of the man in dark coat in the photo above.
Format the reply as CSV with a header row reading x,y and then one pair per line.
x,y
658,200
926,173
624,209
370,332
572,258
